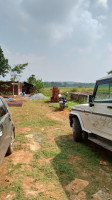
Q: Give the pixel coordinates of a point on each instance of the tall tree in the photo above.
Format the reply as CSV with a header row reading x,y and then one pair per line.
x,y
4,67
17,70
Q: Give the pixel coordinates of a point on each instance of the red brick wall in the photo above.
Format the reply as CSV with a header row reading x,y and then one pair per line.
x,y
17,88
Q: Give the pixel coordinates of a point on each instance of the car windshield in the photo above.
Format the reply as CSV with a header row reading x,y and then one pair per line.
x,y
104,92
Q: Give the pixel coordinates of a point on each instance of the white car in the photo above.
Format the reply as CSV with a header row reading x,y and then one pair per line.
x,y
94,119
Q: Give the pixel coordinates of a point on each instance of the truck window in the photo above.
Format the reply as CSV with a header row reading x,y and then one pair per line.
x,y
104,92
3,109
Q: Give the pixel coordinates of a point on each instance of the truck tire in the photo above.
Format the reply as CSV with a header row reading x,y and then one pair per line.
x,y
77,131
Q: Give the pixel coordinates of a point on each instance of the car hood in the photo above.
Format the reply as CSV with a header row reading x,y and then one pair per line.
x,y
82,107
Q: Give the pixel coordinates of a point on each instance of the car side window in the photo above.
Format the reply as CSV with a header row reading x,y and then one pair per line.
x,y
104,92
3,109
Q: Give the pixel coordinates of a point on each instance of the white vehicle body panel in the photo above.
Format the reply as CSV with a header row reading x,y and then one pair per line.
x,y
97,118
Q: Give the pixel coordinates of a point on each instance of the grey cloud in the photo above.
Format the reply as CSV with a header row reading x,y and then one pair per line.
x,y
55,20
50,11
66,32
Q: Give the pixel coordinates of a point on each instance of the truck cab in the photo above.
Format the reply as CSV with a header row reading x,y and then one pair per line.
x,y
94,119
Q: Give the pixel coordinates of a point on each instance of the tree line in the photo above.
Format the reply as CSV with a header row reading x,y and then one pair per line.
x,y
68,84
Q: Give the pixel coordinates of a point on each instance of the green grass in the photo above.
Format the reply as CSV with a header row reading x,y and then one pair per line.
x,y
70,104
16,187
21,138
15,168
48,91
59,160
39,120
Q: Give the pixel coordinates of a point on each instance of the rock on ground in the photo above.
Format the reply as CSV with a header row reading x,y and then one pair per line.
x,y
76,186
101,195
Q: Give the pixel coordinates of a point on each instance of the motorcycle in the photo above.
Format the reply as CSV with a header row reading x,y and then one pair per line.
x,y
63,102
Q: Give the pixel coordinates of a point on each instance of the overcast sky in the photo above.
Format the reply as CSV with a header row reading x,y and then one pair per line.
x,y
62,40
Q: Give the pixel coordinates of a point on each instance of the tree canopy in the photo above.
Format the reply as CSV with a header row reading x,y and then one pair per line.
x,y
110,72
37,83
31,79
17,70
4,66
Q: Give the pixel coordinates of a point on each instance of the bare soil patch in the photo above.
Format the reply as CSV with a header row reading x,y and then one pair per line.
x,y
32,187
23,129
54,117
9,196
34,146
21,156
65,112
80,196
101,195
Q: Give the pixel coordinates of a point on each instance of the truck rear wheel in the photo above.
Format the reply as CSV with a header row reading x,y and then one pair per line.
x,y
77,131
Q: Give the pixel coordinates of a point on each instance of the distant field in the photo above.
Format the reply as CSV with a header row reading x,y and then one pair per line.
x,y
48,91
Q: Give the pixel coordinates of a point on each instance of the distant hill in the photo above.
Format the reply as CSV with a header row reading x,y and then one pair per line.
x,y
68,84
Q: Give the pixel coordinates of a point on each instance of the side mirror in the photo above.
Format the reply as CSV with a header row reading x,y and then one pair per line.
x,y
90,100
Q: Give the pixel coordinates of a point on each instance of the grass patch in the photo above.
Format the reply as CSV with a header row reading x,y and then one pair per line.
x,y
70,104
17,188
14,168
21,138
39,121
1,189
69,160
48,91
50,153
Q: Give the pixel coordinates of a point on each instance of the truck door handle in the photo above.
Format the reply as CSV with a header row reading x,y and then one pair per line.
x,y
109,107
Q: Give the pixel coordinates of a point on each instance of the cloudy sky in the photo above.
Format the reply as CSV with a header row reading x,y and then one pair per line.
x,y
62,40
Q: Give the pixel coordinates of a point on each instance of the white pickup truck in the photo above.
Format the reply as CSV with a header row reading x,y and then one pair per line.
x,y
93,120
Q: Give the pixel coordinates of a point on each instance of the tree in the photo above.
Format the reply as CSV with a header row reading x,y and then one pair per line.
x,y
4,66
5,87
110,72
17,70
31,79
37,83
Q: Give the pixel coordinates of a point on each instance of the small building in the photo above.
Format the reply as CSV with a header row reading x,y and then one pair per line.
x,y
10,88
27,88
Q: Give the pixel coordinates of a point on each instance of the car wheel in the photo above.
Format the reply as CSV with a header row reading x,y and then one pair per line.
x,y
11,144
77,131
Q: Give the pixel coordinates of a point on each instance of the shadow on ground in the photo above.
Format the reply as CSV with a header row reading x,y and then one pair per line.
x,y
76,159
